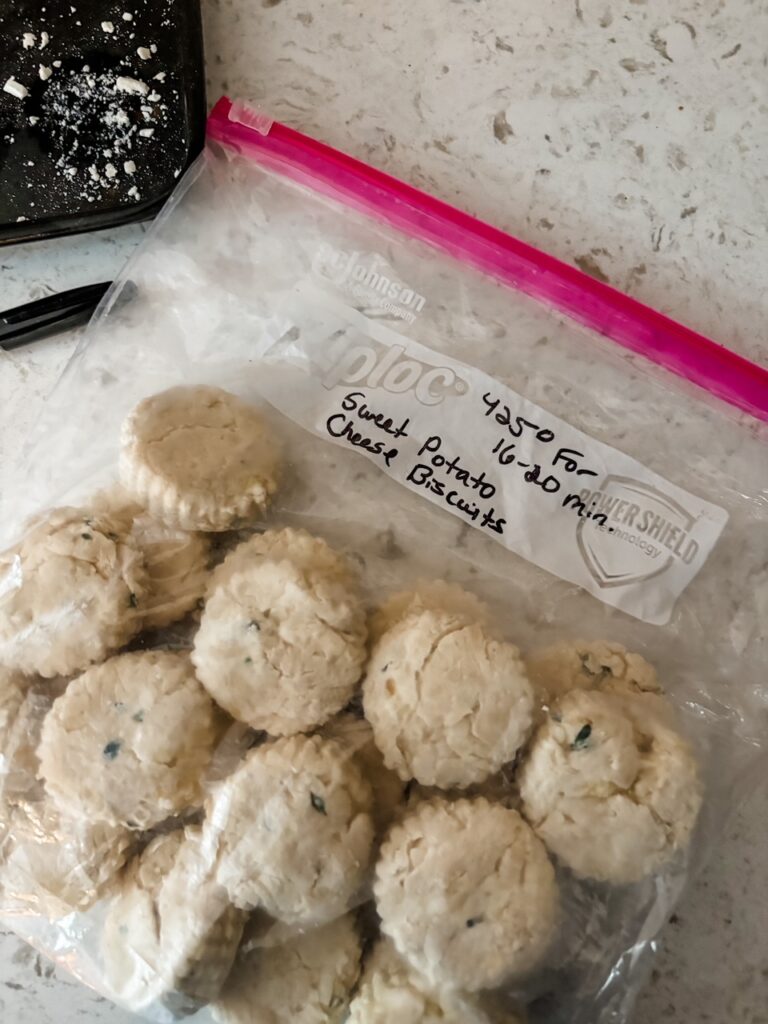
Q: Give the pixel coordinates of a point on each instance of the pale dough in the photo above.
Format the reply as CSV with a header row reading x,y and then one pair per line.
x,y
292,829
603,666
313,555
279,648
69,593
467,893
52,865
198,458
175,560
393,992
177,570
430,595
170,936
128,740
500,788
611,790
355,734
13,688
449,705
306,981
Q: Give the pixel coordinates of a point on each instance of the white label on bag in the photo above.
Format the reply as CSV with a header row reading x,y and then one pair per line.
x,y
570,504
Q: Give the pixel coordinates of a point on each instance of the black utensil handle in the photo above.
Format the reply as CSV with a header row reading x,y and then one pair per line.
x,y
35,320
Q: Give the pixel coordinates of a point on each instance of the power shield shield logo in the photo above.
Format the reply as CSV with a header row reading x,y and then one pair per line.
x,y
630,531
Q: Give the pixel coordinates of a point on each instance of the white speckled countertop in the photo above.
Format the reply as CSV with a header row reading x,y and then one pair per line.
x,y
627,136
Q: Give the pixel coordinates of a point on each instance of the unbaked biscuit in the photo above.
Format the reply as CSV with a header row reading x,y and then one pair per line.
x,y
355,734
176,563
198,458
170,936
128,741
69,593
292,830
599,665
279,648
313,555
306,981
13,688
393,992
52,864
428,595
611,789
467,893
449,705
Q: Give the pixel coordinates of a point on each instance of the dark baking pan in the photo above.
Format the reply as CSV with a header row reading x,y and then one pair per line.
x,y
102,107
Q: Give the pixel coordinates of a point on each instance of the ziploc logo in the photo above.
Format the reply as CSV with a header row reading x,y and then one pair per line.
x,y
368,280
389,367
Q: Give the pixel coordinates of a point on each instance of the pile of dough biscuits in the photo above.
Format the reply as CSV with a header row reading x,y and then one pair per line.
x,y
409,791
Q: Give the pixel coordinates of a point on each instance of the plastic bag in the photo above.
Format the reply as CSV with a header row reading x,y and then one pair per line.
x,y
440,421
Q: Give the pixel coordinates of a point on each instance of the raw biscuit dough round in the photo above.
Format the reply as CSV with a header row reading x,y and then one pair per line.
x,y
69,593
467,893
312,555
177,570
428,595
13,689
198,458
611,789
171,935
292,829
280,649
448,704
599,665
393,992
355,734
128,740
54,865
176,561
306,981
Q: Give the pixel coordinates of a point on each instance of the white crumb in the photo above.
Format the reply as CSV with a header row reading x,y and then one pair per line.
x,y
16,89
125,84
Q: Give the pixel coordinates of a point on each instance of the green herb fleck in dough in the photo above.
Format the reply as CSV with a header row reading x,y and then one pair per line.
x,y
581,737
385,667
139,716
118,706
87,536
248,660
318,803
112,749
472,921
253,624
133,601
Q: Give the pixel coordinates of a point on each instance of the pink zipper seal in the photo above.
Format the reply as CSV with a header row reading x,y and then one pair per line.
x,y
592,303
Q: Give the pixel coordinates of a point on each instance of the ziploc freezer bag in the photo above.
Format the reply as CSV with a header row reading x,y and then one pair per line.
x,y
452,404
